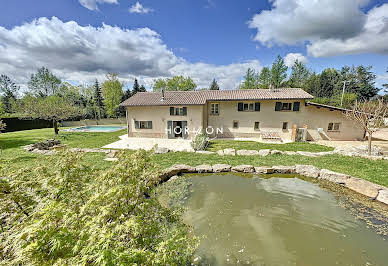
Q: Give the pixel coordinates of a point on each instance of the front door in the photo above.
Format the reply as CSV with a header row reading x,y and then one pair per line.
x,y
177,129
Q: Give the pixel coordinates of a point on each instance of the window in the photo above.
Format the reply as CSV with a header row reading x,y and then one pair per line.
x,y
180,111
257,126
334,127
143,124
248,107
286,106
214,109
235,124
279,106
285,125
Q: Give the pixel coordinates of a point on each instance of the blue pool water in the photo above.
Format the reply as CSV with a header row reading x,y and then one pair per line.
x,y
96,128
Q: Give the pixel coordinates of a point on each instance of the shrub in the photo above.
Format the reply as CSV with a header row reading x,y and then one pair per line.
x,y
75,215
200,142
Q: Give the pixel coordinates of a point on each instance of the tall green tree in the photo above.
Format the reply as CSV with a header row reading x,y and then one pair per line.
x,y
136,87
112,92
299,75
177,83
360,80
98,101
44,83
214,86
329,81
53,108
250,80
265,78
279,72
8,90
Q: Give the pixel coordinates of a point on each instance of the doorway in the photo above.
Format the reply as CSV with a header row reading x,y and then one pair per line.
x,y
177,129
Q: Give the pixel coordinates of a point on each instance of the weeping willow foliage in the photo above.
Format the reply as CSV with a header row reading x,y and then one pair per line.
x,y
76,215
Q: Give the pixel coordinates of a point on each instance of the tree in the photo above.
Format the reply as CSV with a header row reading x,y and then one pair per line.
x,y
360,80
265,78
8,90
75,215
370,116
44,83
177,83
142,88
299,75
250,80
136,87
278,72
112,92
98,101
53,108
329,85
214,86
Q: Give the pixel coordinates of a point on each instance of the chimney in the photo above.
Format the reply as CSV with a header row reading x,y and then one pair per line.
x,y
162,94
271,88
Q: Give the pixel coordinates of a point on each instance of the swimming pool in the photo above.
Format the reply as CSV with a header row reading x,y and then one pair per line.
x,y
96,129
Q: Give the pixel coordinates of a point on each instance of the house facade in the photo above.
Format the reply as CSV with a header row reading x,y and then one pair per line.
x,y
281,114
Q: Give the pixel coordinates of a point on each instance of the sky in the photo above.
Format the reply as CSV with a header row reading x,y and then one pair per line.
x,y
81,40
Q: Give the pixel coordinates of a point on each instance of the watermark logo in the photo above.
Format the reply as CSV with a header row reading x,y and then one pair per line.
x,y
195,131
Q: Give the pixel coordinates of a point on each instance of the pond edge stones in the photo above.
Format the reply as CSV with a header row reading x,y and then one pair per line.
x,y
361,186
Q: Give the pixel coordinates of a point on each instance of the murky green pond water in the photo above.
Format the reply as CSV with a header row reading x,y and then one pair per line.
x,y
276,221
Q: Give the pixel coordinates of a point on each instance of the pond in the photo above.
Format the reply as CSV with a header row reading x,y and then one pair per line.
x,y
274,221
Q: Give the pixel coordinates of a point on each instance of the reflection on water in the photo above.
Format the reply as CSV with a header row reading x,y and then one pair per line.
x,y
277,221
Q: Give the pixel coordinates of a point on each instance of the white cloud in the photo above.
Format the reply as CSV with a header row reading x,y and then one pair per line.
x,y
92,4
290,59
330,27
139,8
373,38
83,53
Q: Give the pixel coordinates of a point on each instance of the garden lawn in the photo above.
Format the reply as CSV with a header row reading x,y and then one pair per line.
x,y
216,145
15,157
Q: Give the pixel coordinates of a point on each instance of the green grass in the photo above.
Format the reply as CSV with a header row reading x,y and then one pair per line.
x,y
216,145
12,153
14,157
374,171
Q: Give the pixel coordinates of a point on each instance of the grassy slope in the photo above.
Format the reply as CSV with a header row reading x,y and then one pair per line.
x,y
16,158
216,145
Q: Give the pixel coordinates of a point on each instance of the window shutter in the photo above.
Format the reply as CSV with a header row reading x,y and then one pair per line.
x,y
137,124
296,106
257,107
240,107
184,130
171,110
184,110
278,106
149,124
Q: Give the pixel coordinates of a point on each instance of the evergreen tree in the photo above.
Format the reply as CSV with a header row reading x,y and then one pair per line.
x,y
299,75
279,72
98,100
142,88
214,86
136,87
250,80
8,90
265,78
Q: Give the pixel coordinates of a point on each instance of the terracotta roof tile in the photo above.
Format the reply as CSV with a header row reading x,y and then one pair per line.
x,y
201,97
